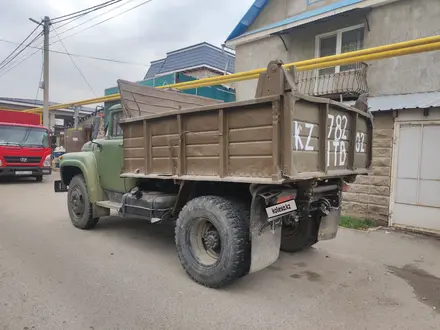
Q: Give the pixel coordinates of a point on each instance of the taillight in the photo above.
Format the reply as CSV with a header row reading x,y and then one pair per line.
x,y
285,198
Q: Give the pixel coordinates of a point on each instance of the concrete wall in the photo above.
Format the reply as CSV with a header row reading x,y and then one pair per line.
x,y
401,21
256,55
201,73
369,196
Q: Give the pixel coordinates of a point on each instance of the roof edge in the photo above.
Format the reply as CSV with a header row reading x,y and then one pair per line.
x,y
248,18
198,46
157,61
302,18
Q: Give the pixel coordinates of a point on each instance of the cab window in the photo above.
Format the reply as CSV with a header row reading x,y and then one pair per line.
x,y
116,128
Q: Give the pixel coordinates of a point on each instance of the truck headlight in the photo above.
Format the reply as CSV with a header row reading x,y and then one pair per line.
x,y
47,161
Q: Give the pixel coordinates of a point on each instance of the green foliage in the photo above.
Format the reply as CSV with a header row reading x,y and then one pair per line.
x,y
354,223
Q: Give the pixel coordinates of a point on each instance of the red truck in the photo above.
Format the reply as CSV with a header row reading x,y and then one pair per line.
x,y
25,149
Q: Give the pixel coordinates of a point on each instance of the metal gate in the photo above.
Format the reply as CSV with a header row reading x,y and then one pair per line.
x,y
416,188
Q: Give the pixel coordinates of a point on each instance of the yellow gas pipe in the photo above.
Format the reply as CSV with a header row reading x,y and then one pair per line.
x,y
376,53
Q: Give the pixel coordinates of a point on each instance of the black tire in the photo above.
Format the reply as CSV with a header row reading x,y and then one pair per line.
x,y
300,236
39,178
80,215
210,264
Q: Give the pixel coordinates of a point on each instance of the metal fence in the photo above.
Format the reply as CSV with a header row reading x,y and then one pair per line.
x,y
349,82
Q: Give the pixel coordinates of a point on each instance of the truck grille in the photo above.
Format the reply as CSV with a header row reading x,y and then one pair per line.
x,y
22,159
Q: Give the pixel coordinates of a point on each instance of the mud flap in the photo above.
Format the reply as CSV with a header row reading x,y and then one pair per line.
x,y
328,227
265,236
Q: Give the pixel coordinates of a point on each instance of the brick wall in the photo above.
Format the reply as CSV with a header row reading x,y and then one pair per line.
x,y
369,196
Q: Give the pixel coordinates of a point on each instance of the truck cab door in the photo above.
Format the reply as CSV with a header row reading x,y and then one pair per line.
x,y
110,158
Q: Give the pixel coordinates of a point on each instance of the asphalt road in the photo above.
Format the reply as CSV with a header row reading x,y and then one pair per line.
x,y
125,275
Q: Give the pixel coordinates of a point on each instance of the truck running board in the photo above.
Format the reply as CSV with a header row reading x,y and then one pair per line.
x,y
109,205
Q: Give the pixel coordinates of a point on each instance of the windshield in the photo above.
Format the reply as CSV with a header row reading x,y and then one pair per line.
x,y
24,136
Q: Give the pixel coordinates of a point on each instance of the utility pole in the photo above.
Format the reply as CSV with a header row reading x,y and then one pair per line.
x,y
46,116
46,29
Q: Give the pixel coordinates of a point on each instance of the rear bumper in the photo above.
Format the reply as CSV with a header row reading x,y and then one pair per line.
x,y
22,171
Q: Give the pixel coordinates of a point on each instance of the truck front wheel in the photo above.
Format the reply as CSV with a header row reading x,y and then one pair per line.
x,y
297,236
78,204
212,241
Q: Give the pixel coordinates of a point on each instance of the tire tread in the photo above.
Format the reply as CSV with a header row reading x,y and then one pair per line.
x,y
236,220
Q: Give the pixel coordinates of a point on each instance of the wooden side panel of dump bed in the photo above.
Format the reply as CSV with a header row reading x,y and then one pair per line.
x,y
235,141
139,100
270,139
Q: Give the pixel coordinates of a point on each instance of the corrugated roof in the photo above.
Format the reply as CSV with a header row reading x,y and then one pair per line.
x,y
37,103
402,101
154,68
203,54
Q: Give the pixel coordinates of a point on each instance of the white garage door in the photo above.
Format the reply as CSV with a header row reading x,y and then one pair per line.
x,y
417,183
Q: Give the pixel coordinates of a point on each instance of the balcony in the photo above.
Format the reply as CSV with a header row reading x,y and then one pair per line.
x,y
343,85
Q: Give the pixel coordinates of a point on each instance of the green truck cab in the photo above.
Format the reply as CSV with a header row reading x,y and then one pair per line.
x,y
97,166
240,181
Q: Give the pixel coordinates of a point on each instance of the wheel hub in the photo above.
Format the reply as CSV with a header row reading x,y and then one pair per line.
x,y
211,239
77,202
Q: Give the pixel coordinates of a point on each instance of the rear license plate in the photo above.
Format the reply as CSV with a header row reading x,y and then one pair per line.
x,y
58,186
280,209
23,172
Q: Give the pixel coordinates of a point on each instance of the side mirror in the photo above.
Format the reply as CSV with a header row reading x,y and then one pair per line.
x,y
95,128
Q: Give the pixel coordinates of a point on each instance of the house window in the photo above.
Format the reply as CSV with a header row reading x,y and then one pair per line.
x,y
339,42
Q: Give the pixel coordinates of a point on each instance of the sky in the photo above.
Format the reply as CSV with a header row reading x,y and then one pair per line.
x,y
141,35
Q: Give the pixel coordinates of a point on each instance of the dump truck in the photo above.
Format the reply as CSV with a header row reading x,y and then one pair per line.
x,y
240,181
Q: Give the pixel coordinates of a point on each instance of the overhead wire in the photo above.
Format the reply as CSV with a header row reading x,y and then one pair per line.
x,y
18,47
74,63
72,19
85,11
83,56
17,64
92,18
90,57
107,19
2,67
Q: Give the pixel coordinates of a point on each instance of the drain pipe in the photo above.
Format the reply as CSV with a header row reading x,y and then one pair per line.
x,y
227,59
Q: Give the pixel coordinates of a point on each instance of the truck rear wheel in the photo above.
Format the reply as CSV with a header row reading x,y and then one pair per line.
x,y
212,241
78,204
299,236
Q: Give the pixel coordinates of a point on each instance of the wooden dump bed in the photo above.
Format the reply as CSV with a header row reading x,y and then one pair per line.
x,y
269,139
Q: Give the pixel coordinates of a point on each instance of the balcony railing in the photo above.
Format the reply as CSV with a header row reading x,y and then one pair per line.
x,y
347,84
